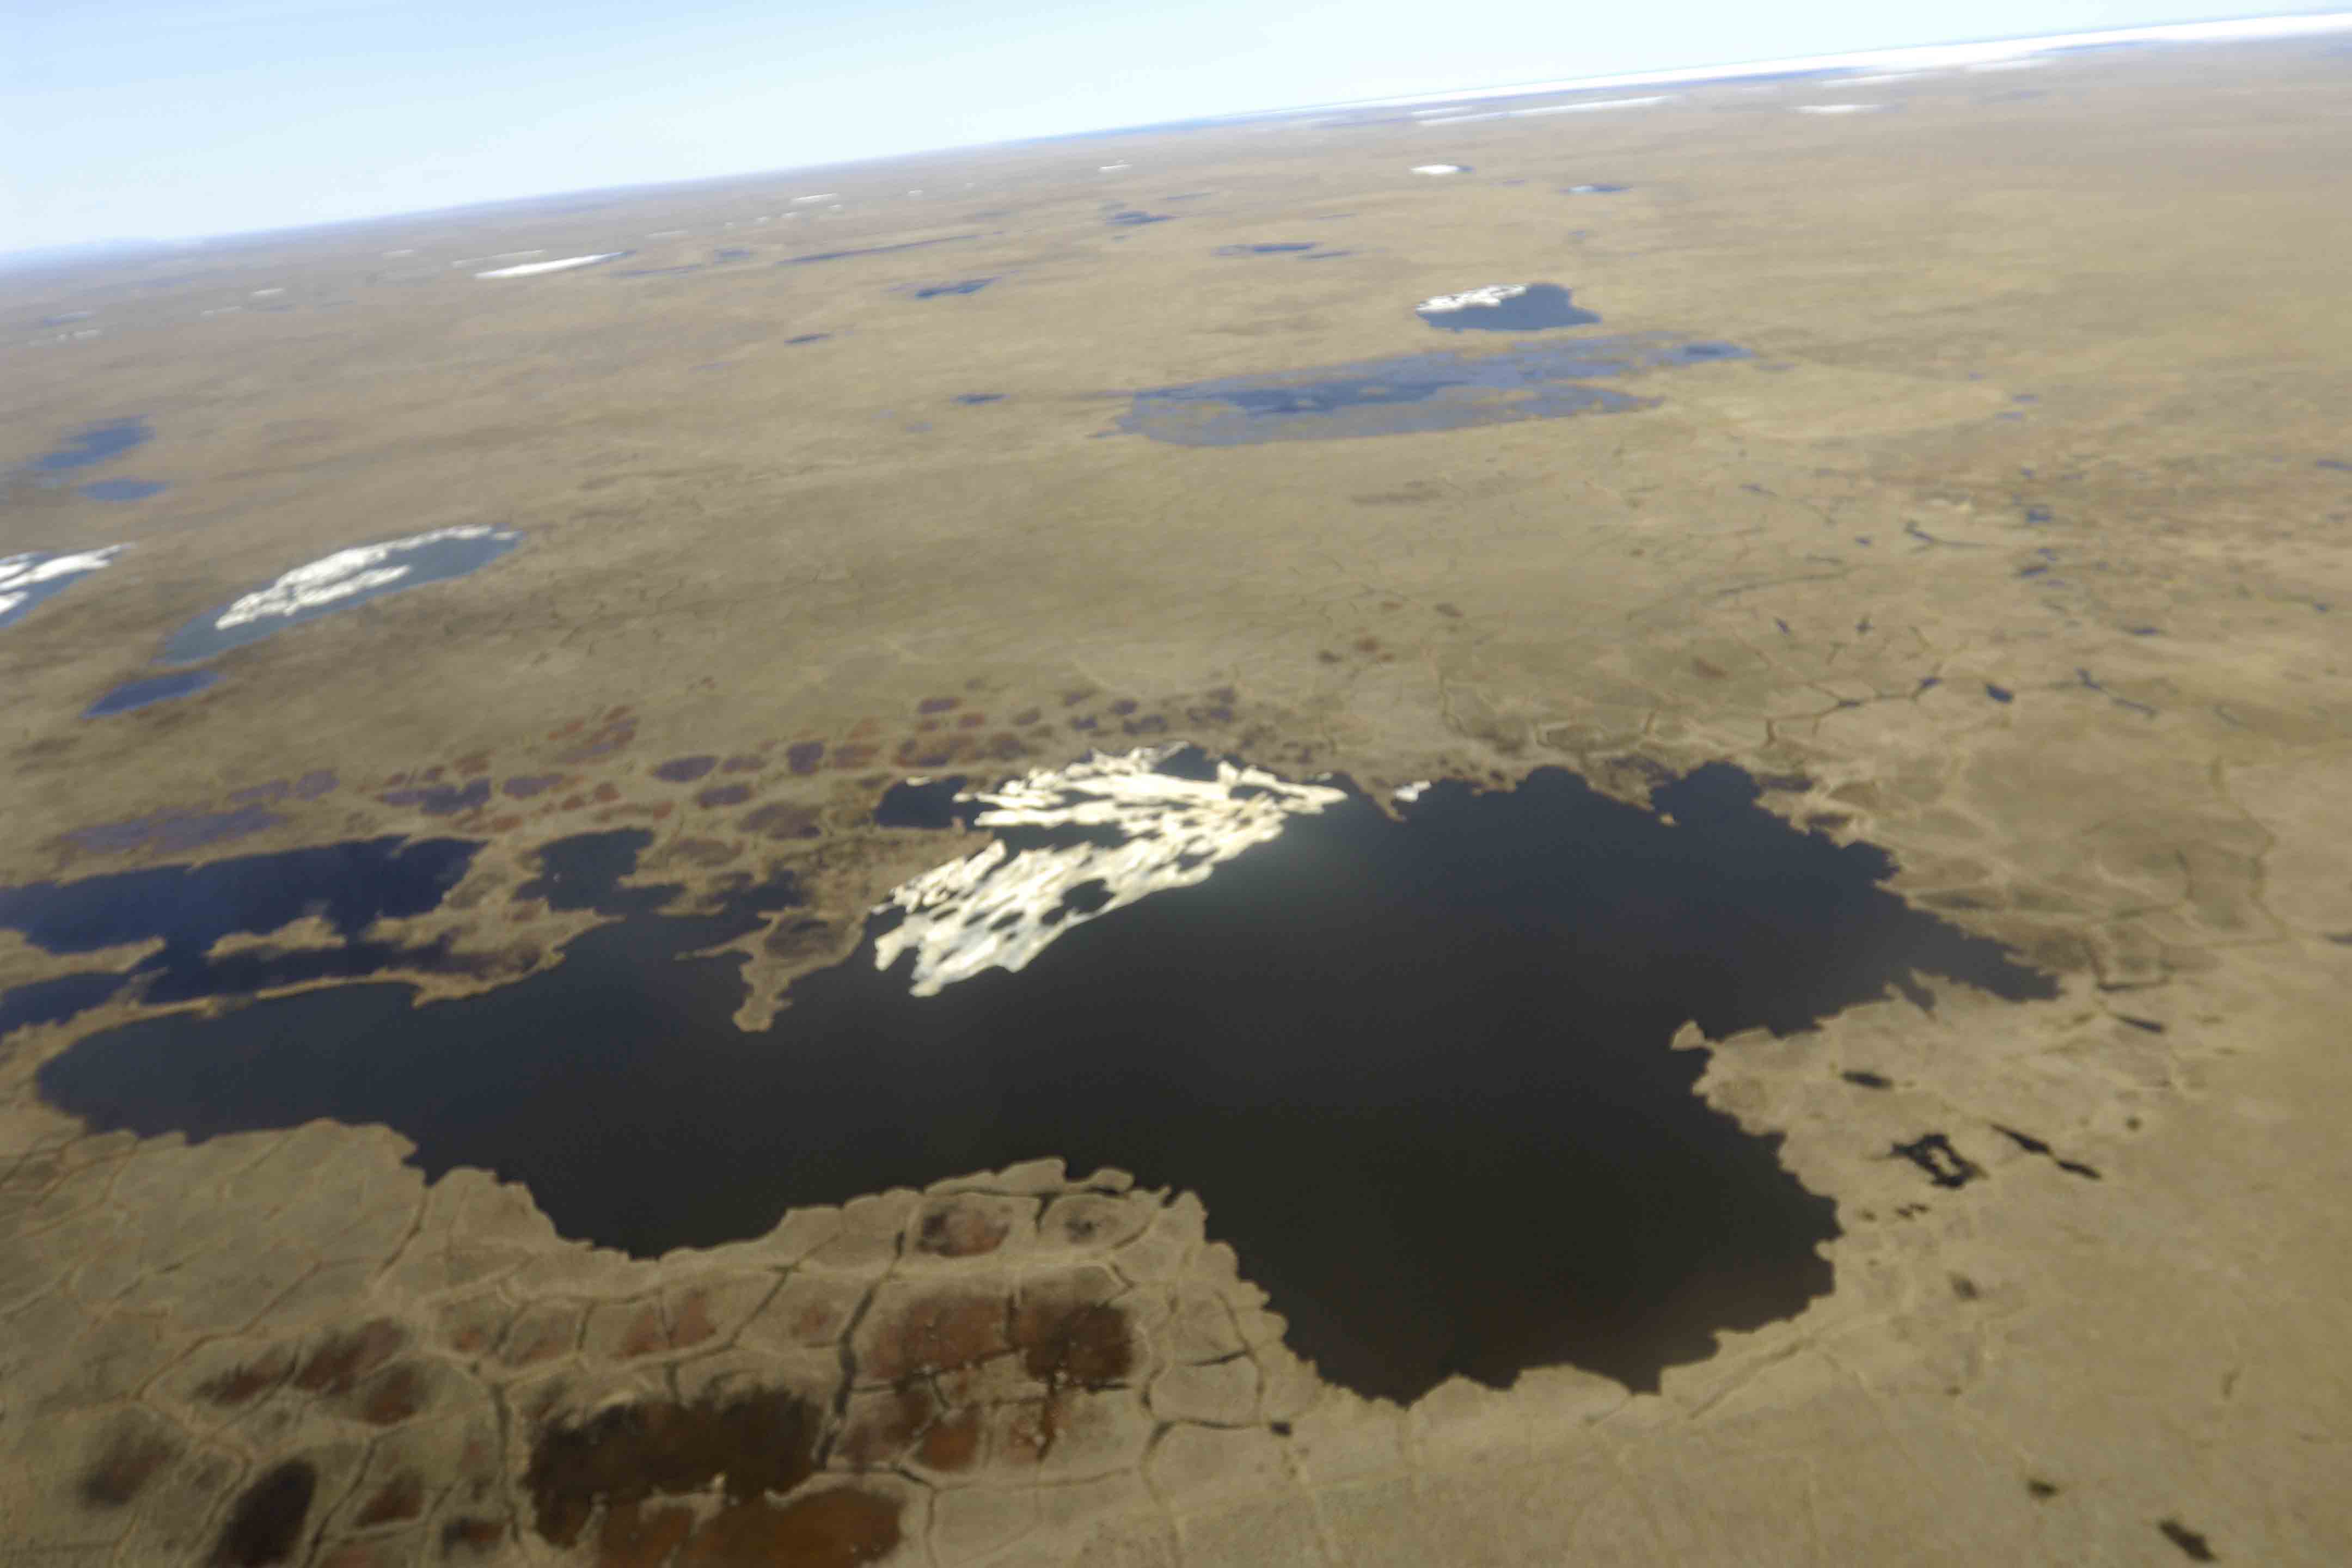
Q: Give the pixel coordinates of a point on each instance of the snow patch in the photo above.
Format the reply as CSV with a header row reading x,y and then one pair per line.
x,y
1491,295
24,578
339,576
532,268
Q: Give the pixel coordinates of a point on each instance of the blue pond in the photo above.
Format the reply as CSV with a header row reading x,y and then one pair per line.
x,y
1536,307
94,444
433,560
133,694
18,596
1412,392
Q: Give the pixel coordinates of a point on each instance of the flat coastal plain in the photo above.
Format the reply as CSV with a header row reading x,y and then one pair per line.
x,y
1971,470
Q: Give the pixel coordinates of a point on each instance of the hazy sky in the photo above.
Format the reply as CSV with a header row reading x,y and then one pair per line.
x,y
182,117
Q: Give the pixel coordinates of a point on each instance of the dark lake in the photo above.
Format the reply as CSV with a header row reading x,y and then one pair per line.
x,y
1435,390
430,558
1419,1071
132,694
93,445
1505,307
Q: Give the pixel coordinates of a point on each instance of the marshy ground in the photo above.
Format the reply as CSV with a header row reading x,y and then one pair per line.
x,y
1837,1068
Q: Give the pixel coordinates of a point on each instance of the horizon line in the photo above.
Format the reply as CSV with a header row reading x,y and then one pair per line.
x,y
1958,55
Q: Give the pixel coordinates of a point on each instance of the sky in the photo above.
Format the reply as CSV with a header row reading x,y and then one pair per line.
x,y
179,119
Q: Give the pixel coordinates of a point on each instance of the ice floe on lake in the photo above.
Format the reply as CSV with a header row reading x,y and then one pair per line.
x,y
532,268
28,578
336,580
1085,839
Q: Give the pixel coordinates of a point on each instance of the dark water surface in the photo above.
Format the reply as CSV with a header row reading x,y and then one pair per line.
x,y
1412,392
29,595
1418,1072
350,885
94,444
1540,308
132,694
435,562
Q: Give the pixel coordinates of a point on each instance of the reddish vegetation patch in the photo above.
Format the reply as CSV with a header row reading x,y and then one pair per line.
x,y
401,1497
782,820
394,1398
830,1530
1027,717
972,721
938,1333
646,1335
952,1442
633,1537
573,802
124,1466
854,756
607,792
723,794
888,1428
938,704
238,1385
505,824
524,786
684,769
960,1230
802,756
757,1443
548,1338
693,1324
743,765
264,1524
1066,1340
342,1360
473,763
